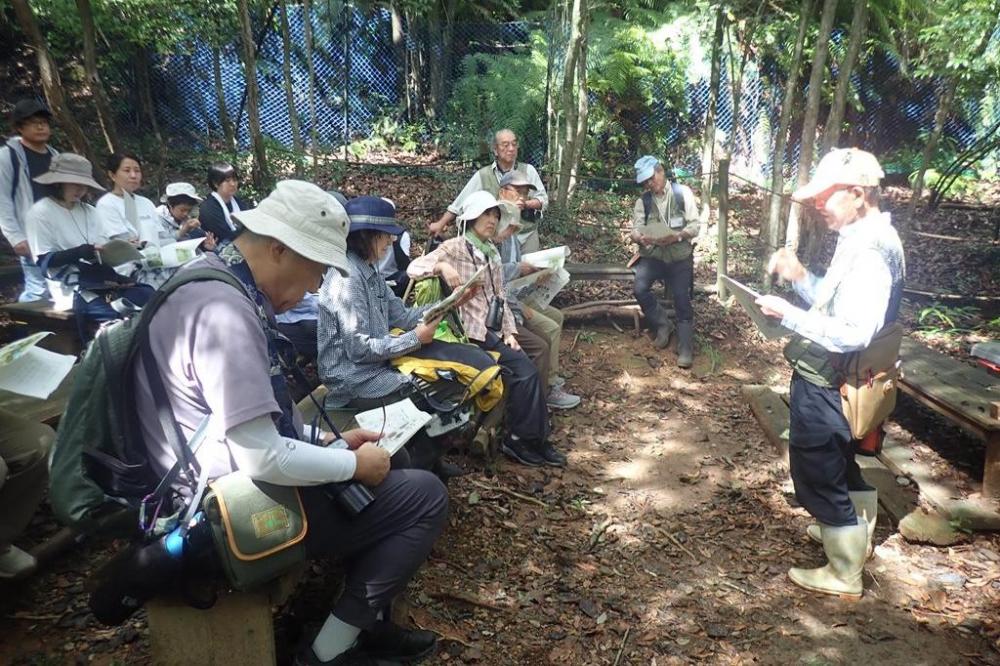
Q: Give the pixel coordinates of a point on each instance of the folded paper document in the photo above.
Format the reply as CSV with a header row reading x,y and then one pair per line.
x,y
770,327
398,422
27,369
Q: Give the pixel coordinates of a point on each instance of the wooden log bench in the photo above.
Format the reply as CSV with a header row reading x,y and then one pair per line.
x,y
42,316
966,395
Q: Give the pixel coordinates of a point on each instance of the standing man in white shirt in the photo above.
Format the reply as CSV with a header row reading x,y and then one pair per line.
x,y
25,157
859,295
487,179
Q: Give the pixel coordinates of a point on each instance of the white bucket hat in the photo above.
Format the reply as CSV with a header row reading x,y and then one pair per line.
x,y
69,168
842,166
306,219
181,190
476,204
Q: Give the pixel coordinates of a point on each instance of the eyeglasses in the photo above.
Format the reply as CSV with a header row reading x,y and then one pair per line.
x,y
36,121
507,144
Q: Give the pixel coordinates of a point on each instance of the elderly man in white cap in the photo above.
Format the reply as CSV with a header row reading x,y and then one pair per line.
x,y
859,295
217,353
664,222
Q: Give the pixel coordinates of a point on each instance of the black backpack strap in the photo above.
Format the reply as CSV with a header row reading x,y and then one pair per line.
x,y
402,259
647,206
16,174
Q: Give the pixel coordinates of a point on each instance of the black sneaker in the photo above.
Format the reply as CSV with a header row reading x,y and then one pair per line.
x,y
523,452
551,456
353,657
446,470
389,642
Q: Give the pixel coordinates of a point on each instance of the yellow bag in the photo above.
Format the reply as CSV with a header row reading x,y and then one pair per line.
x,y
870,378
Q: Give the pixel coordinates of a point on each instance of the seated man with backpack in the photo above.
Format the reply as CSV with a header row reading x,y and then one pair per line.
x,y
215,350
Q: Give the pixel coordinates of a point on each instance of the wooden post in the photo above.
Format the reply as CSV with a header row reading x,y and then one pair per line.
x,y
991,468
723,248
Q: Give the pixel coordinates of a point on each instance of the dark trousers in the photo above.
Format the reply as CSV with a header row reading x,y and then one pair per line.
x,y
527,413
677,275
384,545
303,336
821,454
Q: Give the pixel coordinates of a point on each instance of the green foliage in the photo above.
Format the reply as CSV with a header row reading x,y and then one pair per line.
x,y
498,91
637,87
938,318
388,132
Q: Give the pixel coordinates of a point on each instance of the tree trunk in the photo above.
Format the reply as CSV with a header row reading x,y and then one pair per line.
x,y
773,230
259,171
568,122
858,34
105,116
440,73
311,92
286,69
51,81
399,53
140,64
708,147
220,99
807,143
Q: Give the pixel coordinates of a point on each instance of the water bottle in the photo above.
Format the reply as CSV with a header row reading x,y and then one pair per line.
x,y
136,575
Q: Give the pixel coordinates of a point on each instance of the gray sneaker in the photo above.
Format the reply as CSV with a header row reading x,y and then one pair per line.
x,y
560,399
558,382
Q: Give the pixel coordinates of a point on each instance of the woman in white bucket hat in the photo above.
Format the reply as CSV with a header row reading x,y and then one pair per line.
x,y
489,322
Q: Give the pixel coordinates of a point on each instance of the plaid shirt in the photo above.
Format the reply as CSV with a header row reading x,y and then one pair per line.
x,y
460,254
356,314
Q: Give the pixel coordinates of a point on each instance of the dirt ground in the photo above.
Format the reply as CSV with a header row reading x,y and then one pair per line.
x,y
665,541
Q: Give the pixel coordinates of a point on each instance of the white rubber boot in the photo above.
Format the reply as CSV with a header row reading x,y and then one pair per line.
x,y
845,549
865,505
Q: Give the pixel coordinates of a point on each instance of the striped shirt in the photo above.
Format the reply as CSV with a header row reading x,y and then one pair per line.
x,y
356,314
465,259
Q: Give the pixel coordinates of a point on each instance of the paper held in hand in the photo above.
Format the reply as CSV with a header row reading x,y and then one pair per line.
x,y
446,305
172,255
27,369
539,288
770,327
398,423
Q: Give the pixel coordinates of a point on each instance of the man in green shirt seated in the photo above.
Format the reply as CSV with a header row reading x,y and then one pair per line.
x,y
664,221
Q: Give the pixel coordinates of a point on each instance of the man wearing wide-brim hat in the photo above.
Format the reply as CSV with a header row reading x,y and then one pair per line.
x,y
218,354
857,297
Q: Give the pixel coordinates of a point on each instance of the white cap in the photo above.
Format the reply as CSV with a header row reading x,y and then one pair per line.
x,y
476,204
842,166
306,219
181,190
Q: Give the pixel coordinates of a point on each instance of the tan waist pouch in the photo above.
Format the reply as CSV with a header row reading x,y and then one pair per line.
x,y
870,381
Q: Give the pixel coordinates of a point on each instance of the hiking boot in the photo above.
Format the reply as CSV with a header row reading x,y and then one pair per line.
x,y
560,399
446,470
15,563
386,641
846,549
685,340
664,331
557,382
551,455
353,657
521,451
865,505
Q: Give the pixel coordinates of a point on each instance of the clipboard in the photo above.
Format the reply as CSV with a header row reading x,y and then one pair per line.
x,y
769,327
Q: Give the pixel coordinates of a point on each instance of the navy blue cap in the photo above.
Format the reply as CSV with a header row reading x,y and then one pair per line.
x,y
373,213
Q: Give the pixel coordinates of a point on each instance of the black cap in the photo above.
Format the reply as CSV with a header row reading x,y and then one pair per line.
x,y
27,108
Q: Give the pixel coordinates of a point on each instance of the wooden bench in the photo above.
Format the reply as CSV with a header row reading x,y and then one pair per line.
x,y
42,316
964,394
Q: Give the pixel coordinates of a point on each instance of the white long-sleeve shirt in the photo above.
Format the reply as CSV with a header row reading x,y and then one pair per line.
x,y
849,304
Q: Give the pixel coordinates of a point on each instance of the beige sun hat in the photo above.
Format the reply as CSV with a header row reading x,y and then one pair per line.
x,y
476,204
306,219
842,166
69,168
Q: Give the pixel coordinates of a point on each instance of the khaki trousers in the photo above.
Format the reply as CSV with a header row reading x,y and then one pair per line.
x,y
547,323
24,448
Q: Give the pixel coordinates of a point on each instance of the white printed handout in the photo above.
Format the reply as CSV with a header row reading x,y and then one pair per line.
x,y
770,327
398,423
539,288
27,369
446,305
172,255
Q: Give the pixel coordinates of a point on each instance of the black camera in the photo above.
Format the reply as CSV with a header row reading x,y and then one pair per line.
x,y
494,318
